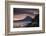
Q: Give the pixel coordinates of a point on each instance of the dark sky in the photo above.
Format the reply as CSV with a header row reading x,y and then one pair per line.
x,y
24,11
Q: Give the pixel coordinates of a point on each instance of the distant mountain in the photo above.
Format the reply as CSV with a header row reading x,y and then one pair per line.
x,y
27,22
23,22
28,18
